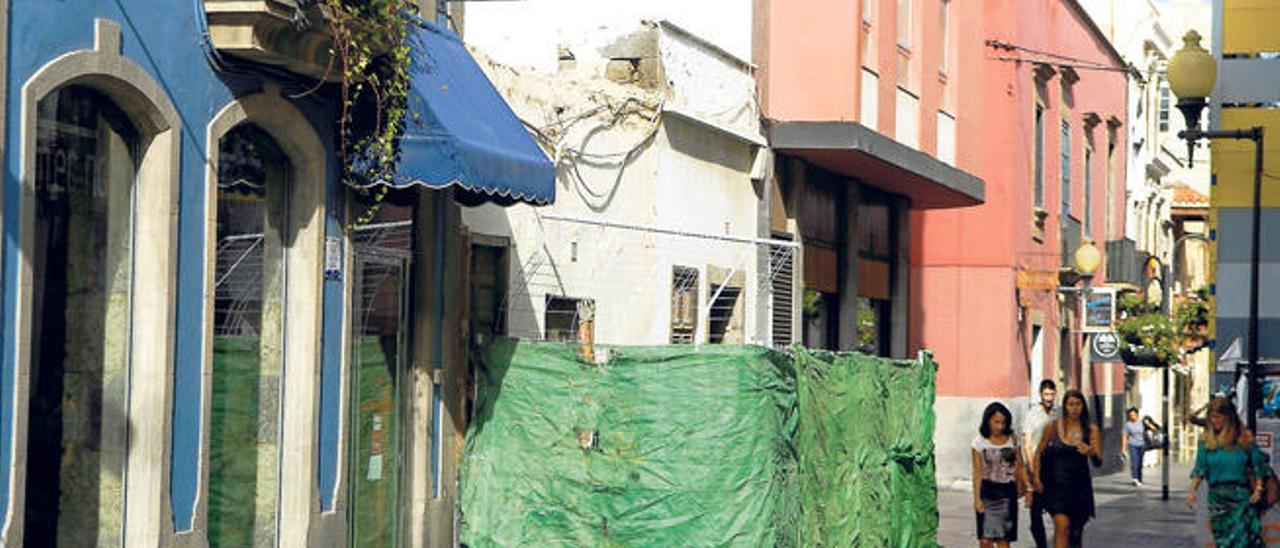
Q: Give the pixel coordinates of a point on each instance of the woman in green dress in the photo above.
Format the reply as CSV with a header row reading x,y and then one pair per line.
x,y
1234,467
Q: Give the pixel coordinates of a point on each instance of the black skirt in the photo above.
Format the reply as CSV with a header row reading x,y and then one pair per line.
x,y
1000,521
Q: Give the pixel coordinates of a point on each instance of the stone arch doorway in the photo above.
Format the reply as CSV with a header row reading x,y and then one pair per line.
x,y
87,155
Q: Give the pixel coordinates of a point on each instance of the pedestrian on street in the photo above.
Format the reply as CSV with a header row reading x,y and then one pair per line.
x,y
1133,438
1062,463
1041,414
1235,469
999,477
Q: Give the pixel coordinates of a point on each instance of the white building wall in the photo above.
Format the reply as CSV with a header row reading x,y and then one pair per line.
x,y
677,158
529,33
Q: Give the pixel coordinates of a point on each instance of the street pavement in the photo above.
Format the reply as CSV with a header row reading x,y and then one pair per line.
x,y
1126,515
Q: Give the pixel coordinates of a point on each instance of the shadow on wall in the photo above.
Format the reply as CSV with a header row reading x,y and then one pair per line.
x,y
706,144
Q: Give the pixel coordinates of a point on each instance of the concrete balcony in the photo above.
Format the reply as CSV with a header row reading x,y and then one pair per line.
x,y
270,32
1125,263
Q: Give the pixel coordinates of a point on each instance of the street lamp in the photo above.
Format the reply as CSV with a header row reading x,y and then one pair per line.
x,y
1085,262
1191,72
1086,259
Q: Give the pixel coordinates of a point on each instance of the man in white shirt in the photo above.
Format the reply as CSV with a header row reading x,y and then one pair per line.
x,y
1040,415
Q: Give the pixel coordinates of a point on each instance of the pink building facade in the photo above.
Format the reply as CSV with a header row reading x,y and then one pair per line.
x,y
1041,110
863,137
955,91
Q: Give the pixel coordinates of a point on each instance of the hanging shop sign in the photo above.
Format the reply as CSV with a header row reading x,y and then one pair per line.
x,y
1100,310
1104,347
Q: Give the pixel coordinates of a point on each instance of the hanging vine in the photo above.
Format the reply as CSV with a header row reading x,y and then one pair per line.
x,y
371,48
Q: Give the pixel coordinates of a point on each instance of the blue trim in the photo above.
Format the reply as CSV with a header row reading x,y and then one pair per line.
x,y
437,352
331,367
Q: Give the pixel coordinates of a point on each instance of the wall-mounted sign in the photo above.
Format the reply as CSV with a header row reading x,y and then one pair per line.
x,y
1100,310
1037,279
1104,347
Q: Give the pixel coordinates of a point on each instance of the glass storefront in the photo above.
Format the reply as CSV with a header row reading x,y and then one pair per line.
x,y
81,261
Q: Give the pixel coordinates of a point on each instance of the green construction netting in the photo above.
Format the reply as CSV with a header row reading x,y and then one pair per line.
x,y
719,446
865,446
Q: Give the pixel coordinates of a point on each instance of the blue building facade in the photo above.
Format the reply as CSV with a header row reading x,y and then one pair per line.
x,y
197,349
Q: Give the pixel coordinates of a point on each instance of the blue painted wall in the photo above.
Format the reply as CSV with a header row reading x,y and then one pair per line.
x,y
163,37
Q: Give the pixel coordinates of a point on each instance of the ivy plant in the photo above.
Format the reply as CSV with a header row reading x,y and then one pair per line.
x,y
371,49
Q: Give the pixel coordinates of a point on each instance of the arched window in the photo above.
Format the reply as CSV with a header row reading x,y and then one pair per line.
x,y
87,155
248,337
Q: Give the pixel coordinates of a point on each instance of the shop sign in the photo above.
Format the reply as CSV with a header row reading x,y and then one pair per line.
x,y
1100,310
1037,279
1104,347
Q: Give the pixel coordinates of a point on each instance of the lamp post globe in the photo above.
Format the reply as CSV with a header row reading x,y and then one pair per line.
x,y
1191,70
1087,258
1191,73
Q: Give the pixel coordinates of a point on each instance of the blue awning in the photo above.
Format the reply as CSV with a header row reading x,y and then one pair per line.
x,y
460,131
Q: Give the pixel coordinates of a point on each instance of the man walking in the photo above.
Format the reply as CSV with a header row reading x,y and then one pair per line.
x,y
1133,438
1040,415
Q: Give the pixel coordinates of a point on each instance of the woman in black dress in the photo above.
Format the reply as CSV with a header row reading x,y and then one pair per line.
x,y
1062,466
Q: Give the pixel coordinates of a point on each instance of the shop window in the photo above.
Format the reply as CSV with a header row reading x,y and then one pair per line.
x,y
87,155
875,230
382,255
724,315
684,305
248,337
561,317
873,326
782,270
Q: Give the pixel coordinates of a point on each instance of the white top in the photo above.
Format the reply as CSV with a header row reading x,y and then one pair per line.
x,y
1035,422
998,460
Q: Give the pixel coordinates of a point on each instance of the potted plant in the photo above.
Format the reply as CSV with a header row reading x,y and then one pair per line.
x,y
1147,337
1191,317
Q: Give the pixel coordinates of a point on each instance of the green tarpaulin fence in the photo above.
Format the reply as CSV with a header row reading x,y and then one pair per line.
x,y
719,446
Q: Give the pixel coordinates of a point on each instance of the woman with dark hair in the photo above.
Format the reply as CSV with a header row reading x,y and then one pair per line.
x,y
998,477
1062,465
1235,468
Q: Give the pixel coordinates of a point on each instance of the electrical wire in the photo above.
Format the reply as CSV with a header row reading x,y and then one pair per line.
x,y
1083,67
1001,44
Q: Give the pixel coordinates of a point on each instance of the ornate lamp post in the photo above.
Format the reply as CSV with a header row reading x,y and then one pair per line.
x,y
1085,262
1191,73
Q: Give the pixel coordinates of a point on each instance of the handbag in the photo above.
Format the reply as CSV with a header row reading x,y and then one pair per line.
x,y
1153,439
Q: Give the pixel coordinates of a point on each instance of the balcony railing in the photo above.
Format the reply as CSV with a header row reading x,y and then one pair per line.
x,y
292,35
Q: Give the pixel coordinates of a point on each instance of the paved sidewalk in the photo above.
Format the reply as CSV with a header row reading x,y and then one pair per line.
x,y
1127,515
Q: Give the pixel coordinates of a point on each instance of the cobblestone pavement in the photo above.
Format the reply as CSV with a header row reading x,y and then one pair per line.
x,y
1128,516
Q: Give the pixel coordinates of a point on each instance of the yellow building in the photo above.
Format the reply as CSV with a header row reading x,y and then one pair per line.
x,y
1246,46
